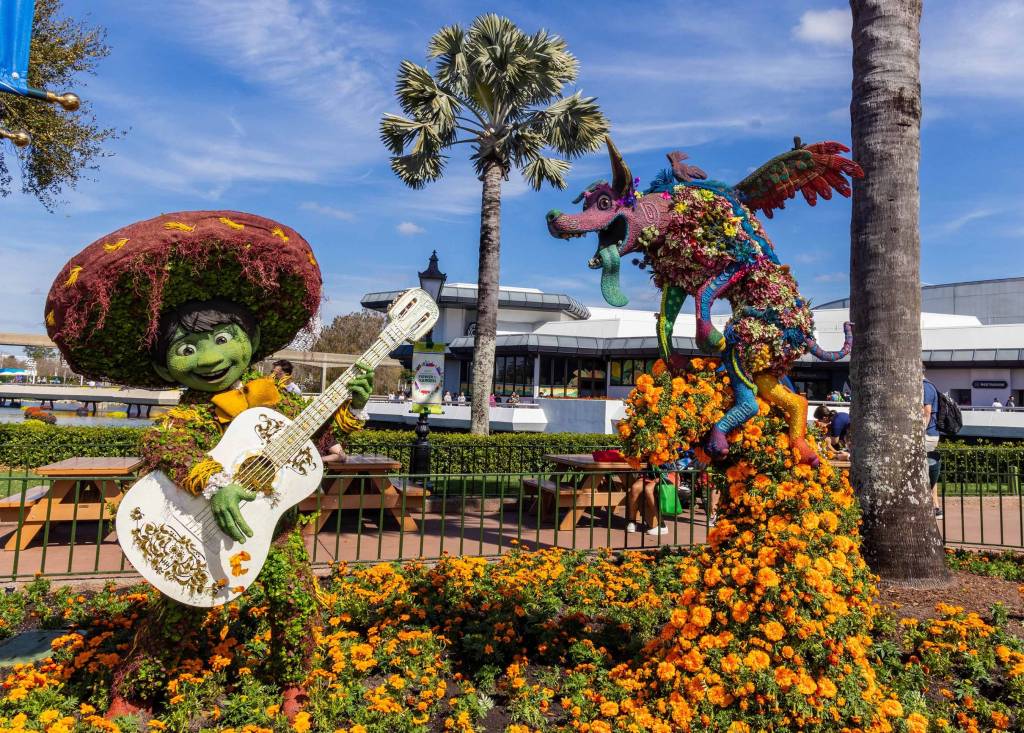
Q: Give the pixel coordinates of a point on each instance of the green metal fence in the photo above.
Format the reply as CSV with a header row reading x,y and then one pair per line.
x,y
63,526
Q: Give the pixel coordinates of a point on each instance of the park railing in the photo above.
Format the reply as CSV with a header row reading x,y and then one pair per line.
x,y
62,526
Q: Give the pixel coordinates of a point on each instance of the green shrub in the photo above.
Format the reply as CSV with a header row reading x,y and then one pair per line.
x,y
32,444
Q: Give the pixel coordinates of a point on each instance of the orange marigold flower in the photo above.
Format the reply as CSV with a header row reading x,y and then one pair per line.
x,y
767,577
666,671
826,687
609,709
701,615
774,631
741,574
757,660
892,708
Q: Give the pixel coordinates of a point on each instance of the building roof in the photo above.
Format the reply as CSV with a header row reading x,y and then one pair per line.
x,y
462,294
997,300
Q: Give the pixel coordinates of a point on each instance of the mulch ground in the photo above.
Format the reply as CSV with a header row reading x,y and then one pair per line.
x,y
976,593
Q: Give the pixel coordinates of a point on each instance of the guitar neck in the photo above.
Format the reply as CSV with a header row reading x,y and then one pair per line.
x,y
284,445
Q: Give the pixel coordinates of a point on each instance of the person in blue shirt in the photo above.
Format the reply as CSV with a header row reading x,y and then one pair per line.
x,y
929,415
836,427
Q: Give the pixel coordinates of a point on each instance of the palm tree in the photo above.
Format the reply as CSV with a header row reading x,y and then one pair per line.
x,y
901,541
498,90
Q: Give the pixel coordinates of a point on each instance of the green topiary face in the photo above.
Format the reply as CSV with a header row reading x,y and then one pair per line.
x,y
208,361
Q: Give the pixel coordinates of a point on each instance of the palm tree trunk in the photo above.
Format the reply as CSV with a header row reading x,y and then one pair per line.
x,y
487,299
901,541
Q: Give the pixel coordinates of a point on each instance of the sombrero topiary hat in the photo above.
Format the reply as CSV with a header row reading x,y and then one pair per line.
x,y
103,310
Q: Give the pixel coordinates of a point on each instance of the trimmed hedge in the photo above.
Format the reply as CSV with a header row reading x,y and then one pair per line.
x,y
465,453
32,444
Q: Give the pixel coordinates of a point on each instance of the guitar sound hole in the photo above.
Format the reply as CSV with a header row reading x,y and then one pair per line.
x,y
257,474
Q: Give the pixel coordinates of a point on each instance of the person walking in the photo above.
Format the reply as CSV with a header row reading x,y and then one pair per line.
x,y
282,372
997,404
447,399
462,398
1010,403
929,414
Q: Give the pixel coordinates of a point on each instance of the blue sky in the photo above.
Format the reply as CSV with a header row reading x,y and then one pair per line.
x,y
272,106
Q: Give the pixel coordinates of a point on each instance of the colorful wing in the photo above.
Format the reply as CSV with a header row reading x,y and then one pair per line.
x,y
814,170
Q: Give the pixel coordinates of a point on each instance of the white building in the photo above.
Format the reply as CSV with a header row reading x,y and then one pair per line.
x,y
573,363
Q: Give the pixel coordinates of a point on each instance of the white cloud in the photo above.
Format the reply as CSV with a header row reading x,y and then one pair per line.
x,y
958,223
974,49
409,229
330,211
829,27
832,277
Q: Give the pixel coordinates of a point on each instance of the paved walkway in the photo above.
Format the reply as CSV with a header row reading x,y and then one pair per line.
x,y
970,521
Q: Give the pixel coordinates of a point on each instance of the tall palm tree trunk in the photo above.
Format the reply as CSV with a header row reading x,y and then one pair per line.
x,y
487,299
901,541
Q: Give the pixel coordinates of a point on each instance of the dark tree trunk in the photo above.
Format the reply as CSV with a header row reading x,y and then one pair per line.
x,y
901,541
487,299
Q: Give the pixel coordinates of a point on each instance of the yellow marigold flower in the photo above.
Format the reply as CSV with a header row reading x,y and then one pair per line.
x,y
738,726
917,723
826,688
757,660
301,724
156,725
609,709
767,577
892,708
774,631
48,716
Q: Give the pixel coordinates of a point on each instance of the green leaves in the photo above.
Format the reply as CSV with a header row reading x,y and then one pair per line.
x,y
552,170
489,89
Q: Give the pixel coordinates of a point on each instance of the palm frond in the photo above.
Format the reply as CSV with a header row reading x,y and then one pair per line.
x,y
542,169
398,132
448,47
573,125
418,169
422,98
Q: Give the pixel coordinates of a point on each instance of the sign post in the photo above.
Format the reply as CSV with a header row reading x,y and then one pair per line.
x,y
427,386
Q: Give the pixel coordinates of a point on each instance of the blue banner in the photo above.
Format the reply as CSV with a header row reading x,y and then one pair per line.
x,y
15,38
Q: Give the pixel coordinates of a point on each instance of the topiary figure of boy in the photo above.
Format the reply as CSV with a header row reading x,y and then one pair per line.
x,y
194,299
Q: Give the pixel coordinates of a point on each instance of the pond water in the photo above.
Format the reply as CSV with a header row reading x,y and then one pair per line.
x,y
68,417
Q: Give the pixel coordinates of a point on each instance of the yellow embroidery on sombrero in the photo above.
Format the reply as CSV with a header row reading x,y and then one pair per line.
x,y
72,276
51,320
179,225
114,246
312,260
232,224
279,233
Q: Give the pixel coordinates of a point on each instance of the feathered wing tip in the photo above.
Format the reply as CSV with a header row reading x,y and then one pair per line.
x,y
813,170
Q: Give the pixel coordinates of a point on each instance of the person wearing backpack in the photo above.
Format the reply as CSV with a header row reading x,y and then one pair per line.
x,y
930,416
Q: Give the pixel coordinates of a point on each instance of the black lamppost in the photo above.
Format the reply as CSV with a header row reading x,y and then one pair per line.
x,y
432,281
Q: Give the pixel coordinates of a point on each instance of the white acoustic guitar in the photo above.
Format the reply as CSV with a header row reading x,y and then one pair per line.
x,y
171,537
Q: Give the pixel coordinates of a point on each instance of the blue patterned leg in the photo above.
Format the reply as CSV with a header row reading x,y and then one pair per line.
x,y
715,442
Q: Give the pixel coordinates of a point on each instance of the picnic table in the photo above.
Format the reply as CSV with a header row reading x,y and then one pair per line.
x,y
101,481
368,473
602,485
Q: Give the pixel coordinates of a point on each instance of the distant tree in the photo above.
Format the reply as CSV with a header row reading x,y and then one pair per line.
x,y
498,90
12,362
352,333
64,144
40,353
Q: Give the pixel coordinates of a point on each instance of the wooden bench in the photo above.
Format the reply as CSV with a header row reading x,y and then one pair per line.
x,y
415,494
11,506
